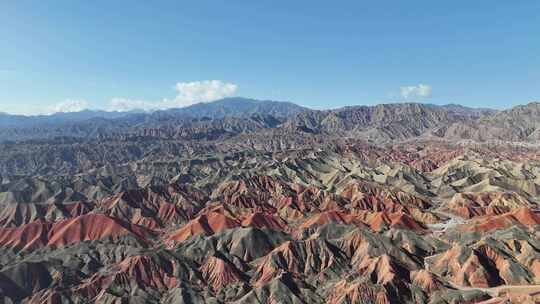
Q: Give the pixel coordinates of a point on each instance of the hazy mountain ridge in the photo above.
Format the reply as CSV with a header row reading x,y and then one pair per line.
x,y
382,123
237,107
21,121
518,124
95,124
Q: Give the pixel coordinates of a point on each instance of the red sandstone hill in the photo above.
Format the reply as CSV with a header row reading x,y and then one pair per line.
x,y
154,207
380,220
369,196
322,218
220,273
216,220
251,220
91,227
151,272
521,216
26,237
465,267
88,227
469,205
205,224
375,220
263,220
358,292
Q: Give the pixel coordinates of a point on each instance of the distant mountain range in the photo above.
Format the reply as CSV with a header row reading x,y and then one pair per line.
x,y
233,116
9,120
390,122
227,107
237,107
90,123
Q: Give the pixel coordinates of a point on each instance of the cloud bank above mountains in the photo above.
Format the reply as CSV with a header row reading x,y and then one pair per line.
x,y
69,105
187,93
416,91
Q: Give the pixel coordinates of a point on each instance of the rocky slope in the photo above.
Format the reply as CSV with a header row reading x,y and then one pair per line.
x,y
422,222
384,123
203,119
263,208
517,124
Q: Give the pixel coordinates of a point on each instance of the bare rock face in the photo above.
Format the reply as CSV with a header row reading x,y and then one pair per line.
x,y
465,267
220,273
469,205
205,224
522,217
272,203
357,292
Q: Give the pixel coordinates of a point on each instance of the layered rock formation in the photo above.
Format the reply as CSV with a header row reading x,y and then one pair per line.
x,y
304,208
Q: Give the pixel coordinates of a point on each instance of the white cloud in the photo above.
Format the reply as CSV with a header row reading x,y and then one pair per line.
x,y
202,91
69,105
416,91
188,93
125,104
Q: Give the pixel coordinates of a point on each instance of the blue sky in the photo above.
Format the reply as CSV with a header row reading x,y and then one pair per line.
x,y
66,55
